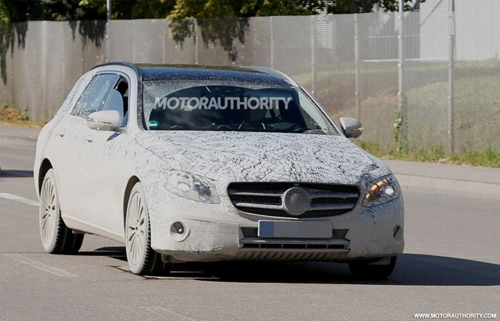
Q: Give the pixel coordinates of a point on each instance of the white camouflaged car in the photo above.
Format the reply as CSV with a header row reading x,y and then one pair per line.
x,y
190,163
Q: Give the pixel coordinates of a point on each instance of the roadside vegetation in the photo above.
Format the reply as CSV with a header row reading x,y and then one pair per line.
x,y
13,116
488,157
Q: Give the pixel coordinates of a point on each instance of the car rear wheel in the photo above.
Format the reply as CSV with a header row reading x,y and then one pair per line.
x,y
142,259
366,271
57,238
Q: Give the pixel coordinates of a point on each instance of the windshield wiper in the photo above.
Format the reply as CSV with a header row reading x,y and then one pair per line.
x,y
315,132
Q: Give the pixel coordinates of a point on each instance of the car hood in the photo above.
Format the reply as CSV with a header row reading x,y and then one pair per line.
x,y
254,157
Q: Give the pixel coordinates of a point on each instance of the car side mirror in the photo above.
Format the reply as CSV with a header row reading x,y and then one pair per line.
x,y
351,127
105,120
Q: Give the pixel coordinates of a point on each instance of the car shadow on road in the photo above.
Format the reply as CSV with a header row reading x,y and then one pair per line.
x,y
115,252
420,269
411,269
15,173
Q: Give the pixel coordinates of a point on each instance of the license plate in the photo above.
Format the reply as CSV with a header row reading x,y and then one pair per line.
x,y
294,229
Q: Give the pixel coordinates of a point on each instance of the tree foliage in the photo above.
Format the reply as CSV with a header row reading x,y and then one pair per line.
x,y
220,21
22,10
152,9
132,9
250,8
224,20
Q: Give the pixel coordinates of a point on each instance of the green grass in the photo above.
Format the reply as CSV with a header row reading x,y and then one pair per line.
x,y
488,157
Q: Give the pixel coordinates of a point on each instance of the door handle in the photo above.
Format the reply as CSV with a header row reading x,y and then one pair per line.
x,y
61,133
89,138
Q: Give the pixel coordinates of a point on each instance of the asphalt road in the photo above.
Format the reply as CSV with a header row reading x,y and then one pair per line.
x,y
451,267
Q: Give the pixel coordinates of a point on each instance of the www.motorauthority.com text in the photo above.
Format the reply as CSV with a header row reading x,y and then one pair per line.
x,y
454,316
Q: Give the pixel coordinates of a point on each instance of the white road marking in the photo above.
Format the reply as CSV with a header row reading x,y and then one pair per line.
x,y
40,265
19,199
169,315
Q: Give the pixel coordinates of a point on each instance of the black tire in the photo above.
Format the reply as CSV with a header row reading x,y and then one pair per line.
x,y
365,271
56,237
142,259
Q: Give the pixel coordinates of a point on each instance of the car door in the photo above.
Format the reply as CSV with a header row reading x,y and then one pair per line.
x,y
104,171
67,143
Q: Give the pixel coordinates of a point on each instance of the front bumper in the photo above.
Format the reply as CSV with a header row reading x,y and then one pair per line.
x,y
218,232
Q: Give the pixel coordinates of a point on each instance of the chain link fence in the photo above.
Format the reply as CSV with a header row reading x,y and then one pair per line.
x,y
427,79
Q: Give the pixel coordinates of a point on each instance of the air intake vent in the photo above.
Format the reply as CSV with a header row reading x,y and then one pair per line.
x,y
252,232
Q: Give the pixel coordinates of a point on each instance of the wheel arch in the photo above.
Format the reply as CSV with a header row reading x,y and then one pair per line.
x,y
130,185
44,168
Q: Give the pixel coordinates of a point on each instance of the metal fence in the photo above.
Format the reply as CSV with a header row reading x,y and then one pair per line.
x,y
436,69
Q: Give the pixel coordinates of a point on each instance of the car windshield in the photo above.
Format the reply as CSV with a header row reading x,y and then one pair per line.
x,y
231,107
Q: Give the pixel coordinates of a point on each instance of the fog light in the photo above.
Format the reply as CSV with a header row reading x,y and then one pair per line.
x,y
178,228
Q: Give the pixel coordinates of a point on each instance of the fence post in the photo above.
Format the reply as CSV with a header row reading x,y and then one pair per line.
x,y
313,57
134,60
107,45
357,66
163,40
271,47
196,44
108,19
108,10
403,104
451,76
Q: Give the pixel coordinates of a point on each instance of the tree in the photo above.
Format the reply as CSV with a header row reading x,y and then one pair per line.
x,y
220,21
226,20
152,9
360,6
249,8
132,9
12,11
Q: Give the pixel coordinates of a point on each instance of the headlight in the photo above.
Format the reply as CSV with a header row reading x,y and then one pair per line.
x,y
381,191
192,187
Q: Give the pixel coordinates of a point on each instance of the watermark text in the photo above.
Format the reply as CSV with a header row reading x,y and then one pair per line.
x,y
454,316
192,103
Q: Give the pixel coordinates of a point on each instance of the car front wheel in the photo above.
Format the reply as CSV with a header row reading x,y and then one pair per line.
x,y
366,271
142,259
57,238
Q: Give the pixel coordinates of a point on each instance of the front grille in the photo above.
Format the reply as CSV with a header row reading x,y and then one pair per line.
x,y
267,198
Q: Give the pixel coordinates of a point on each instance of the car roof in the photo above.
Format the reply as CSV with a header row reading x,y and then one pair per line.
x,y
160,72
